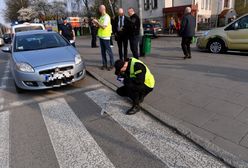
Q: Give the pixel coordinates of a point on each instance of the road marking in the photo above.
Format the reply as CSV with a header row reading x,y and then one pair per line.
x,y
1,101
4,139
50,96
173,150
73,145
3,84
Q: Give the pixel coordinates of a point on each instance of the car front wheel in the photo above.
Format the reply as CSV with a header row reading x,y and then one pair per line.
x,y
216,46
19,90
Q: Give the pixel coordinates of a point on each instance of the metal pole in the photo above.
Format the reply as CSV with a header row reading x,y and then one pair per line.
x,y
141,18
217,15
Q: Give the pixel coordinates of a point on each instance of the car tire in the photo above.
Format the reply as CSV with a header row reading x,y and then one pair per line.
x,y
19,90
216,46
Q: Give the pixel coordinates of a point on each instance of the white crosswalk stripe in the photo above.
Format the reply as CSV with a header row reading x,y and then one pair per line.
x,y
4,139
73,145
172,150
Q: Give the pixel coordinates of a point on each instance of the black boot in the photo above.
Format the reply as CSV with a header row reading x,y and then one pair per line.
x,y
135,109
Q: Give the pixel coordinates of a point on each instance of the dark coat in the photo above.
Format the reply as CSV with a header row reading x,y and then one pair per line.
x,y
188,25
125,29
135,25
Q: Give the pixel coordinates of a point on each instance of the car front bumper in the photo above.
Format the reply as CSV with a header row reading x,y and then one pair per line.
x,y
45,77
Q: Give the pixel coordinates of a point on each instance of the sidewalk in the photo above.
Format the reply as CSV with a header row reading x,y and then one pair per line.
x,y
204,98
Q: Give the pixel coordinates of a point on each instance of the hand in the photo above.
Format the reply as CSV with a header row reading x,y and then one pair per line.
x,y
95,21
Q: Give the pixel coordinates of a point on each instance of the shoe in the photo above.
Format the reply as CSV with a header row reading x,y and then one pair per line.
x,y
133,110
185,57
110,68
189,57
103,67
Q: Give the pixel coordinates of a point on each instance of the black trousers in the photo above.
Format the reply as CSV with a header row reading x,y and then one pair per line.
x,y
122,46
186,41
134,43
93,40
136,93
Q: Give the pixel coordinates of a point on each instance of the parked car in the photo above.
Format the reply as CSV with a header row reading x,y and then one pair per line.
x,y
234,36
26,27
7,38
1,41
153,28
41,59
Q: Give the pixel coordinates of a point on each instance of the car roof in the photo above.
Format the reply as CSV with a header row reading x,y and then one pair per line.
x,y
33,32
27,24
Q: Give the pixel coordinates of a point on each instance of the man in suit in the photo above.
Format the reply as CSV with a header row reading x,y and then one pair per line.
x,y
187,32
120,29
134,32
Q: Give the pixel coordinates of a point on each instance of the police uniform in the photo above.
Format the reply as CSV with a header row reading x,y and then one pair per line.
x,y
138,82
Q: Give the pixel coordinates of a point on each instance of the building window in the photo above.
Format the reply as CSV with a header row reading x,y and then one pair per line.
x,y
146,4
154,4
207,4
202,4
226,3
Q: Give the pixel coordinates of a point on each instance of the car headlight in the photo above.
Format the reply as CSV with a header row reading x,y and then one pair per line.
x,y
24,67
78,59
206,33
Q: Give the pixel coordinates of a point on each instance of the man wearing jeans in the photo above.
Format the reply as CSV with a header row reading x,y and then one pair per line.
x,y
104,33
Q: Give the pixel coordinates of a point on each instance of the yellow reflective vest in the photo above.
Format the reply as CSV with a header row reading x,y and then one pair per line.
x,y
104,33
149,79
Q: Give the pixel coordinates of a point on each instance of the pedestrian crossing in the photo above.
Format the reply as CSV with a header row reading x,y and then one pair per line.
x,y
75,147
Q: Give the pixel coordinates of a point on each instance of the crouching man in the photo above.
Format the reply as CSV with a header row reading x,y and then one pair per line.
x,y
137,79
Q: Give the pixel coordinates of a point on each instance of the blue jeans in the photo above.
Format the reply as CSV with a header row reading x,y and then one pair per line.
x,y
105,48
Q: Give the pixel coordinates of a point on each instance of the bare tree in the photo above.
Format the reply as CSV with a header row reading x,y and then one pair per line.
x,y
26,14
12,7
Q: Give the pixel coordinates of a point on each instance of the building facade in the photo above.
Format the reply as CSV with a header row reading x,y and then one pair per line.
x,y
241,6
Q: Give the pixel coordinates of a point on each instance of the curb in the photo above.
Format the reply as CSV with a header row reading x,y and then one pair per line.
x,y
228,158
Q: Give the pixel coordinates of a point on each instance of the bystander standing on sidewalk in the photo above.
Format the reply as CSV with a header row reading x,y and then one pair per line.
x,y
93,31
120,28
138,81
187,32
134,35
104,33
67,32
172,25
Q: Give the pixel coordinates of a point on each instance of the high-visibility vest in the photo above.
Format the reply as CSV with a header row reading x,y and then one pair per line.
x,y
103,33
149,79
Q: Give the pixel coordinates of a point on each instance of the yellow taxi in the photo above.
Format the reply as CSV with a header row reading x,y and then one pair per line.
x,y
234,36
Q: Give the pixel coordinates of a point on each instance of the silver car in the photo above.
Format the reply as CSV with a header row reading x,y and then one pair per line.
x,y
42,59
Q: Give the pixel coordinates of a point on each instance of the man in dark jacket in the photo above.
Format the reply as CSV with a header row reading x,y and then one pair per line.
x,y
137,79
134,36
120,29
93,29
187,32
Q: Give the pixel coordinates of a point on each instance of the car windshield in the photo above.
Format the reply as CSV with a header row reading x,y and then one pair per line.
x,y
38,42
28,28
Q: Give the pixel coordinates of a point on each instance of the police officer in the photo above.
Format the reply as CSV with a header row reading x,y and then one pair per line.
x,y
67,31
138,81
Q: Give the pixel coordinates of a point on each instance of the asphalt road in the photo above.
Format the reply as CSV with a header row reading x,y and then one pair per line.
x,y
83,125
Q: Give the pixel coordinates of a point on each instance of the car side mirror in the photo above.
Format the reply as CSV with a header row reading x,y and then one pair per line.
x,y
236,26
6,49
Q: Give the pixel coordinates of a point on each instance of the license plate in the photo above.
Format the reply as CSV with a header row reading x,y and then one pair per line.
x,y
56,76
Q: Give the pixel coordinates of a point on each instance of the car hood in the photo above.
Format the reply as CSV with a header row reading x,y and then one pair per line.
x,y
43,57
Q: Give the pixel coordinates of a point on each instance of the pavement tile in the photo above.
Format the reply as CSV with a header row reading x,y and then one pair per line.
x,y
243,116
196,115
227,127
233,148
196,99
244,141
224,108
199,131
